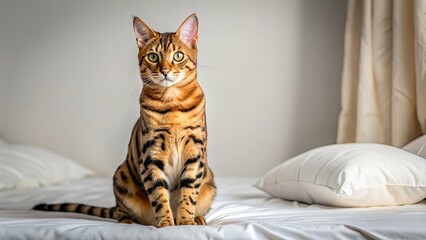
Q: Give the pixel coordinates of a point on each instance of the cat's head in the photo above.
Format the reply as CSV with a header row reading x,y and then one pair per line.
x,y
166,59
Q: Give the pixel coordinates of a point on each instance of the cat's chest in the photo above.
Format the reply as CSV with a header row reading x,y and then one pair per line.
x,y
173,166
172,94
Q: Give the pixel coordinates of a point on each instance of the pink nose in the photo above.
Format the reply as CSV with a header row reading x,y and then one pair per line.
x,y
165,71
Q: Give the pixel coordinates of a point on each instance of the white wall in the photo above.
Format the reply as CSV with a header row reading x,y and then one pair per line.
x,y
270,69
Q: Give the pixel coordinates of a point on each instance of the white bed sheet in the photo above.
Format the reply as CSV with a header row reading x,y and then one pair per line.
x,y
240,212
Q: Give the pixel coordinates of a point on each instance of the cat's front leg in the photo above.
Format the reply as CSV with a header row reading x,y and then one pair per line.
x,y
157,188
191,178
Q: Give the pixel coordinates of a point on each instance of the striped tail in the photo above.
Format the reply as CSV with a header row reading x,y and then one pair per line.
x,y
78,208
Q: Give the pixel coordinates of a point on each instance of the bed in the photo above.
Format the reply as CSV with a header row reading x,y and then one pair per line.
x,y
240,211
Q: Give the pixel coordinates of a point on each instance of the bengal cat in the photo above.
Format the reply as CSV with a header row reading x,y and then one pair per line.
x,y
165,179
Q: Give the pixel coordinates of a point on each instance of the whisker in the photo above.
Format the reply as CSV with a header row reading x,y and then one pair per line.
x,y
134,87
131,83
204,66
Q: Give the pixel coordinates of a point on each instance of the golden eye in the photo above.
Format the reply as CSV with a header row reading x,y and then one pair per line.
x,y
153,57
178,56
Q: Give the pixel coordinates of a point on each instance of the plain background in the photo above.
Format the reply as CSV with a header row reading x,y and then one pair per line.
x,y
271,71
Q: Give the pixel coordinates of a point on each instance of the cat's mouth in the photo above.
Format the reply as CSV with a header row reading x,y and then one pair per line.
x,y
166,82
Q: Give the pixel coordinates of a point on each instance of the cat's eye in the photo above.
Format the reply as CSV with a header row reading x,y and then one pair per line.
x,y
178,56
153,57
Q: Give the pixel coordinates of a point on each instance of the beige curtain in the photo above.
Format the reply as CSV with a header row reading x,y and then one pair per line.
x,y
384,72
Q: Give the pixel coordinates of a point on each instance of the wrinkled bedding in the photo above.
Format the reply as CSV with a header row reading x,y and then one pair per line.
x,y
240,211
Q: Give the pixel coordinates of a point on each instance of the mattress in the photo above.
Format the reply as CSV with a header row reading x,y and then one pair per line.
x,y
240,211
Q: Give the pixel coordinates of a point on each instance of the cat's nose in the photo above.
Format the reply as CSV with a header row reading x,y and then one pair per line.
x,y
165,71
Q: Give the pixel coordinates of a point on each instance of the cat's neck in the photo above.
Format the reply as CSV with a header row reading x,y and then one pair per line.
x,y
175,93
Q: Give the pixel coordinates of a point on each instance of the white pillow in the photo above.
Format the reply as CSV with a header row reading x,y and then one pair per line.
x,y
24,166
349,175
417,146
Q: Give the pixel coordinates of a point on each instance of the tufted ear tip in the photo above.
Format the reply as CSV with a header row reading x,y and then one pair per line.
x,y
188,31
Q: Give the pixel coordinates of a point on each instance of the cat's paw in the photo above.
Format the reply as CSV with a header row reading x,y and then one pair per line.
x,y
165,223
187,222
200,220
127,221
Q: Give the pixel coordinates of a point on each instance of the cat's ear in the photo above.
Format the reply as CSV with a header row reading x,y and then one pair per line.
x,y
188,31
142,31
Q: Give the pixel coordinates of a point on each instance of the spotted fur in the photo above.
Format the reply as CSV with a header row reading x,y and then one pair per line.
x,y
165,179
